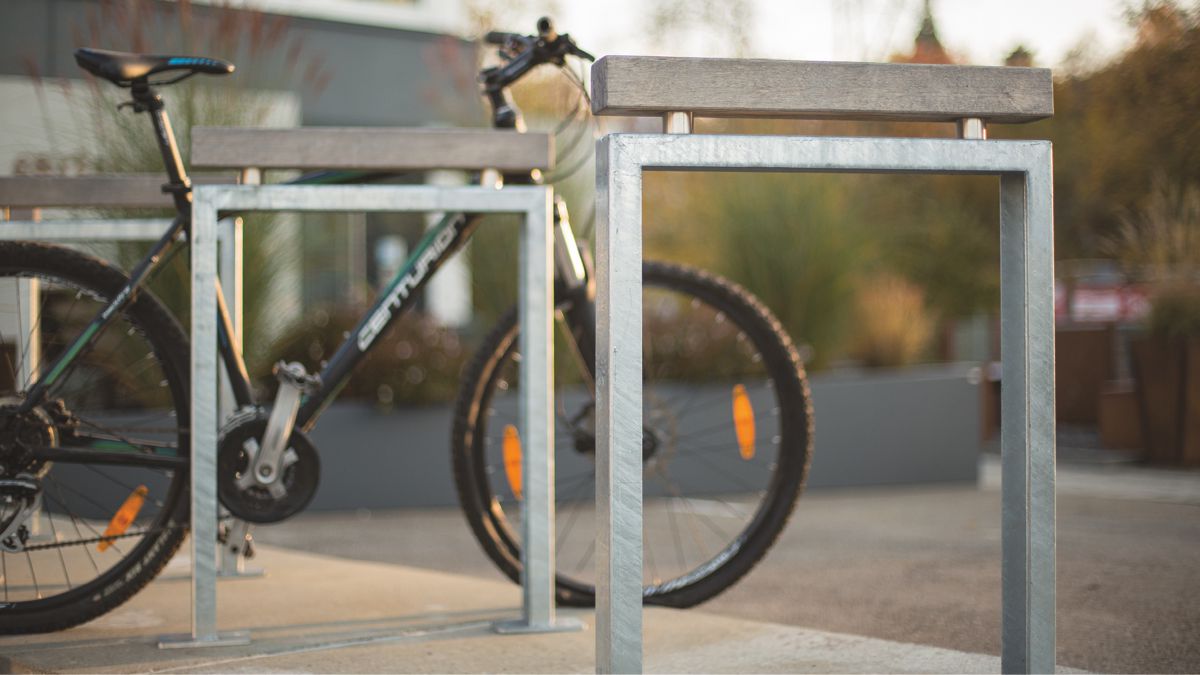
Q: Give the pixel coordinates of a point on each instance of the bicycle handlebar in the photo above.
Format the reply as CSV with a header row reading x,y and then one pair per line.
x,y
524,52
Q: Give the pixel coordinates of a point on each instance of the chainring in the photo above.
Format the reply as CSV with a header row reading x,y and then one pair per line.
x,y
300,471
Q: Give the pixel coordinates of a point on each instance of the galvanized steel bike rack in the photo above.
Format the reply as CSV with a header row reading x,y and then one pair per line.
x,y
679,89
380,149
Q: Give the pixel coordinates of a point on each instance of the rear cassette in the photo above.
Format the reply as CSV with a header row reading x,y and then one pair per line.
x,y
299,474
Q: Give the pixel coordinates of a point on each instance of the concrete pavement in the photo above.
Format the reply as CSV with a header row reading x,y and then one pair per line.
x,y
318,614
917,564
914,571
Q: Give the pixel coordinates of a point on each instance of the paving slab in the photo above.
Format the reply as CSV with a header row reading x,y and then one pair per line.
x,y
320,614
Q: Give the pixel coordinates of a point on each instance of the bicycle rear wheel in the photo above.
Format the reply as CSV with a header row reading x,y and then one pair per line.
x,y
93,481
727,424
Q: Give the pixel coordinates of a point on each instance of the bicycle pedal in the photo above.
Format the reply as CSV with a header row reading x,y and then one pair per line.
x,y
295,374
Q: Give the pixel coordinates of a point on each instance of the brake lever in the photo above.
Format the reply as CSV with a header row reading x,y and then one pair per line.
x,y
580,53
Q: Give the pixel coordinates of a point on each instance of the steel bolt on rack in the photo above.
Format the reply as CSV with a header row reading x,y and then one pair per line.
x,y
535,307
1027,318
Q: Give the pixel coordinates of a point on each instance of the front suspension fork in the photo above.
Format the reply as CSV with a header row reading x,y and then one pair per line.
x,y
575,292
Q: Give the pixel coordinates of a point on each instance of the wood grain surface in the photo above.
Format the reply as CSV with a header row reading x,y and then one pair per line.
x,y
113,191
376,148
652,85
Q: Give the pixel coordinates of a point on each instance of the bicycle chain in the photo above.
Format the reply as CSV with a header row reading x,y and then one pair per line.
x,y
96,540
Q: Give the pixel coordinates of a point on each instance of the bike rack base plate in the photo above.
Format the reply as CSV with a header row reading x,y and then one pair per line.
x,y
523,627
188,641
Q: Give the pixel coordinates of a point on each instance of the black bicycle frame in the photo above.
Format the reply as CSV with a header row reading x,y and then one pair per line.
x,y
435,248
438,245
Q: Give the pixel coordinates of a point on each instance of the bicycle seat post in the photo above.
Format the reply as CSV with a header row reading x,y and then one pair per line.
x,y
145,99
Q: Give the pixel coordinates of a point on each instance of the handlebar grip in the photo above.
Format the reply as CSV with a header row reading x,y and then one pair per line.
x,y
496,37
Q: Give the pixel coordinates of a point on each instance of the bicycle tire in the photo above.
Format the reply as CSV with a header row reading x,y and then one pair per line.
x,y
159,533
481,495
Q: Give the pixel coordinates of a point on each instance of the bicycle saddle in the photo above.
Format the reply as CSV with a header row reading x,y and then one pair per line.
x,y
122,68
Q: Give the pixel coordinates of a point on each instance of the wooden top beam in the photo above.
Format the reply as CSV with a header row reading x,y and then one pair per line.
x,y
653,85
101,191
370,148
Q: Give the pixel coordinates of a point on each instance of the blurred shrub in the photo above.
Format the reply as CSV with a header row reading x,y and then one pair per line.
x,y
795,241
491,256
892,325
1116,126
416,361
1175,311
1160,240
941,233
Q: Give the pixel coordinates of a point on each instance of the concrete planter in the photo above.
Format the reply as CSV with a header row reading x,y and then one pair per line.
x,y
1167,372
913,425
908,425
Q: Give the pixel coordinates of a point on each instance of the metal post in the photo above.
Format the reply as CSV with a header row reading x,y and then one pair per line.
x,y
972,129
231,560
28,345
231,263
1027,270
677,122
536,301
231,556
534,202
618,412
29,342
1027,424
204,419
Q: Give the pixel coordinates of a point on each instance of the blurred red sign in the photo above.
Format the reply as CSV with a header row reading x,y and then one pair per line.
x,y
1100,304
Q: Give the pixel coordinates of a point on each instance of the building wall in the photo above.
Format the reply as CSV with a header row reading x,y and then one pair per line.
x,y
371,75
329,72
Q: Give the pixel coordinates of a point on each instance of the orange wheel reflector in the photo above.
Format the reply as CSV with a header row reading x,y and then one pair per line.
x,y
512,458
743,421
124,516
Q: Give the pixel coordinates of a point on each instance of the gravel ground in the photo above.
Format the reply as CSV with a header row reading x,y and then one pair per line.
x,y
915,564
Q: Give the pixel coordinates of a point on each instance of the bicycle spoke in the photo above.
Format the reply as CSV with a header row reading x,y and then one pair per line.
x,y
575,510
36,329
127,486
674,490
705,461
62,559
147,445
86,523
587,555
675,537
654,576
78,533
37,591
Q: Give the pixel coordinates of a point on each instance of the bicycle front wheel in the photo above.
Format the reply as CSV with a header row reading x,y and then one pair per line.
x,y
93,479
726,442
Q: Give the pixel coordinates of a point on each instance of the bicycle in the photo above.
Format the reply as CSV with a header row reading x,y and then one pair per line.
x,y
94,448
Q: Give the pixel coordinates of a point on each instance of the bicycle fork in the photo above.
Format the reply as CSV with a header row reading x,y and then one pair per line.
x,y
575,290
